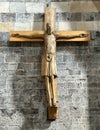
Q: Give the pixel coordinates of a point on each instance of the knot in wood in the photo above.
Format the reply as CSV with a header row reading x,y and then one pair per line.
x,y
49,57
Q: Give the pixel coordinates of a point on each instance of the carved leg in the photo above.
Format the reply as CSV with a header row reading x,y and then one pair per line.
x,y
53,110
54,91
49,91
51,88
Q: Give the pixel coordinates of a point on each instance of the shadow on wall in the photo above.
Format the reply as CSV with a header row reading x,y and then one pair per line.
x,y
89,57
76,56
85,93
93,74
28,88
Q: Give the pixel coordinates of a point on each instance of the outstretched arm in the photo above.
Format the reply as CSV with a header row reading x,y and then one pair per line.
x,y
28,36
71,36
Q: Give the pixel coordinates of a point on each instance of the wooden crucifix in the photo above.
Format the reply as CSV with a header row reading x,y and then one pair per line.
x,y
48,69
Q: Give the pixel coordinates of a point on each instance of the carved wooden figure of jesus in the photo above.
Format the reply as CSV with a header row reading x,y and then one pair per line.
x,y
49,70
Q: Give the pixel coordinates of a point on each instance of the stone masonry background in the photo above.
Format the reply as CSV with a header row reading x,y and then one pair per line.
x,y
22,90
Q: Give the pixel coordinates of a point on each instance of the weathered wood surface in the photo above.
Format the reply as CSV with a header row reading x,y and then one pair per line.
x,y
60,33
50,17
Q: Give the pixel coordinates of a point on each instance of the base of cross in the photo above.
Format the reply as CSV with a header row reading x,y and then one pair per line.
x,y
52,113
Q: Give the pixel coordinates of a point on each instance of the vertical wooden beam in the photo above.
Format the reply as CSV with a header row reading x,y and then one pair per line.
x,y
50,17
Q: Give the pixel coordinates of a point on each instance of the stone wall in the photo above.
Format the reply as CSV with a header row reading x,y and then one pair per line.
x,y
22,90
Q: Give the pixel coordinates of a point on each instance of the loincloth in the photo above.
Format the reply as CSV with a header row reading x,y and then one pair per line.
x,y
49,66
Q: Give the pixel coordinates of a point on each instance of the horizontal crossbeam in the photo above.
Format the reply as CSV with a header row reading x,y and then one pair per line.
x,y
62,36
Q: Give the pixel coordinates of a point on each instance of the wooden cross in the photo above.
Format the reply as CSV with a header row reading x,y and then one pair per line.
x,y
48,69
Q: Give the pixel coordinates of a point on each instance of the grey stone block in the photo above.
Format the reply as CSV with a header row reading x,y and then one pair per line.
x,y
4,37
35,7
16,7
88,16
75,16
16,51
60,17
12,58
68,58
2,59
97,16
33,51
7,17
59,58
97,50
30,59
38,17
24,17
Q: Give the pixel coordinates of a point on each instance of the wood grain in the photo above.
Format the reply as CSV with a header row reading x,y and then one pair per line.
x,y
50,17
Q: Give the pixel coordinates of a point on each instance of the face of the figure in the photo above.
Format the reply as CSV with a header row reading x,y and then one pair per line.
x,y
48,32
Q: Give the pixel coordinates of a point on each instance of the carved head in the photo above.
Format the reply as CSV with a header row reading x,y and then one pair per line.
x,y
48,27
